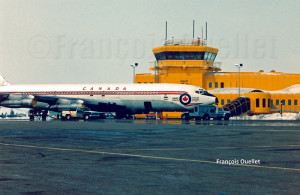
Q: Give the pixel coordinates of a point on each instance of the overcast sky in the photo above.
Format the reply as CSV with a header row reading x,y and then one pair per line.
x,y
95,41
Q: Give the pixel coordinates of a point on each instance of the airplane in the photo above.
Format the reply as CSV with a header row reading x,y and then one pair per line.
x,y
124,99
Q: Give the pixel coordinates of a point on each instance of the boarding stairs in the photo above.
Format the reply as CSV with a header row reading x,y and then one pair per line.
x,y
239,106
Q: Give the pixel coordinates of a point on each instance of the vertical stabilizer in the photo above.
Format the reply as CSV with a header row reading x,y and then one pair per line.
x,y
3,82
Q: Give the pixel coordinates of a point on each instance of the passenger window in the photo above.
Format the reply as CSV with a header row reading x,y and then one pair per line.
x,y
257,103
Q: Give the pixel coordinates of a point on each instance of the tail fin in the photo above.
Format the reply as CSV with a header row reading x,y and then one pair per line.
x,y
3,82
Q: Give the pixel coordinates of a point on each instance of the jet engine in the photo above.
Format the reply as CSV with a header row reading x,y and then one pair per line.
x,y
64,104
14,103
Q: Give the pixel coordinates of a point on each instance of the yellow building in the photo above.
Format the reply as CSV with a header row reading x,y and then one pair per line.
x,y
192,62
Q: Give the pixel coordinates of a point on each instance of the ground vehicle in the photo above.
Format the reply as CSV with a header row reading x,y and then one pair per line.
x,y
81,112
206,112
97,115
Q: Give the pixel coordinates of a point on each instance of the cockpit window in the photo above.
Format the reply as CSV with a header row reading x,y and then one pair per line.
x,y
202,92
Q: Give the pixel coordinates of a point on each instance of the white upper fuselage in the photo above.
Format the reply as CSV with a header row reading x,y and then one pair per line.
x,y
135,97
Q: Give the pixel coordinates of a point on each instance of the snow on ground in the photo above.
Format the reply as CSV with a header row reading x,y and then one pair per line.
x,y
275,116
7,111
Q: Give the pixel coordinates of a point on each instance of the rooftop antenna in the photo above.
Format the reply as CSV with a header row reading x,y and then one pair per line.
x,y
193,29
206,32
202,34
166,30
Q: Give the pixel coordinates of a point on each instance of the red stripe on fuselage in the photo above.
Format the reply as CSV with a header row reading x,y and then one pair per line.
x,y
98,92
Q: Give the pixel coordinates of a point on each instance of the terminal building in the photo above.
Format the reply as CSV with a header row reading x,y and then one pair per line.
x,y
193,62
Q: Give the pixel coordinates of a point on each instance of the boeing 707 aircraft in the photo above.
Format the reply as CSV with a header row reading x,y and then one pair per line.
x,y
123,99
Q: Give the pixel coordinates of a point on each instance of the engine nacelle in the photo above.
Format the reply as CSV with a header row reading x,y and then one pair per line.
x,y
64,107
19,103
40,105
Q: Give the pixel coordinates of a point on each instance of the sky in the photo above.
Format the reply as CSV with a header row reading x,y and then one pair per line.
x,y
96,41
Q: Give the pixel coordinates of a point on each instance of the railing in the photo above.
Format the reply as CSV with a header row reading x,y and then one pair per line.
x,y
184,63
277,108
217,64
186,42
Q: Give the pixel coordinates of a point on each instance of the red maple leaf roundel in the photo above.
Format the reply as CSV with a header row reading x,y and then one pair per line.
x,y
185,98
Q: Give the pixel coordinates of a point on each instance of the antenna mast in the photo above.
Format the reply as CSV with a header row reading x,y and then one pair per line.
x,y
166,30
206,32
193,29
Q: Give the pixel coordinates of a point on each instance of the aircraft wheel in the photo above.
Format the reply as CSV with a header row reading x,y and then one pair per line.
x,y
31,117
206,117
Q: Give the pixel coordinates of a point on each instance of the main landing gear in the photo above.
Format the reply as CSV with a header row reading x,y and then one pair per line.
x,y
39,114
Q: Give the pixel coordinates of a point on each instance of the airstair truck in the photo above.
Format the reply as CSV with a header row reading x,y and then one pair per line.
x,y
206,112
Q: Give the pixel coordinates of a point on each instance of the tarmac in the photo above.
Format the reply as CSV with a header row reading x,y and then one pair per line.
x,y
149,157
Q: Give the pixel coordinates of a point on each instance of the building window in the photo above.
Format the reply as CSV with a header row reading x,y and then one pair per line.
x,y
283,102
264,103
222,101
210,84
295,102
216,85
228,101
277,102
271,103
289,102
257,103
222,85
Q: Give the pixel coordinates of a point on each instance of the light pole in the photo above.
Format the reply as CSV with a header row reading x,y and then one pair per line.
x,y
239,66
133,66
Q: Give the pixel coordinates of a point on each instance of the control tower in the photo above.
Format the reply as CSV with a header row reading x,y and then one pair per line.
x,y
182,61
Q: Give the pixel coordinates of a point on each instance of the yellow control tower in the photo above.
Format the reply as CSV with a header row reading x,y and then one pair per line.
x,y
182,61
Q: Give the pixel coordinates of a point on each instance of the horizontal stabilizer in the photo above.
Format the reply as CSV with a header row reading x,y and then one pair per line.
x,y
3,82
